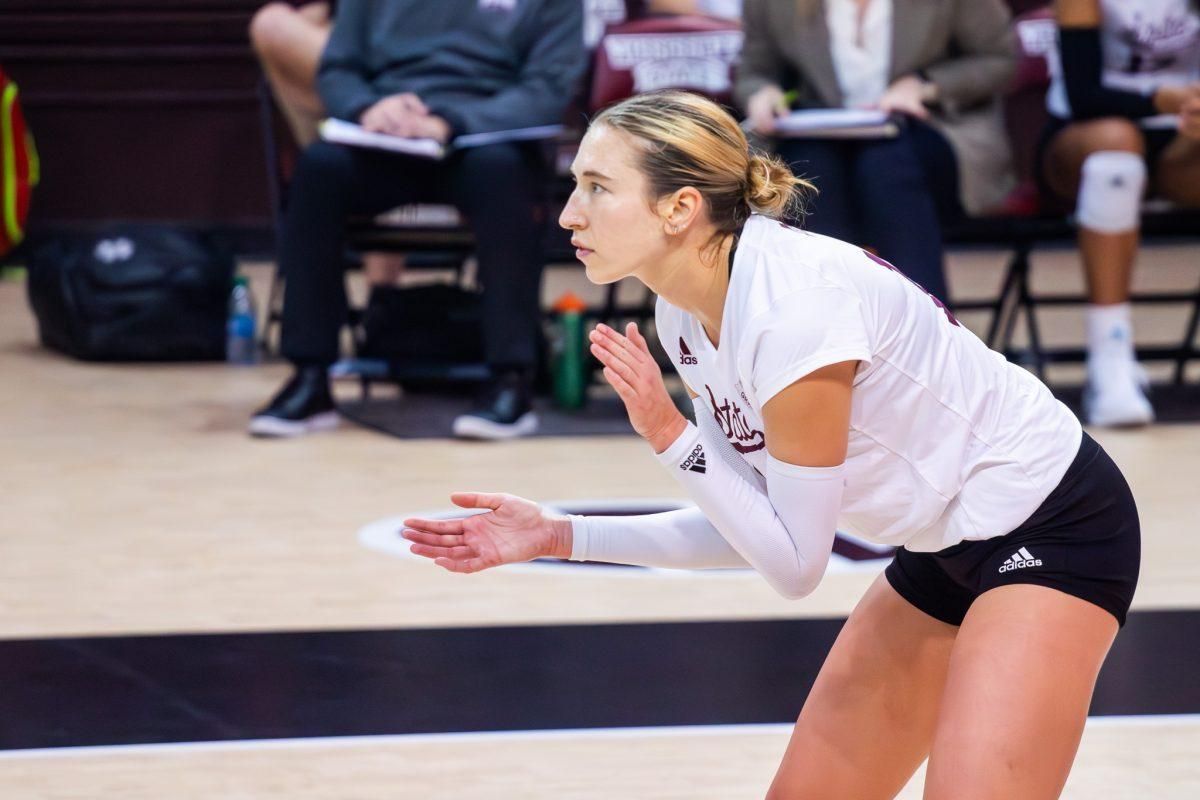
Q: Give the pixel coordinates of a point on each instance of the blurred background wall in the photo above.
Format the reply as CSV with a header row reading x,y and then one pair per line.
x,y
143,110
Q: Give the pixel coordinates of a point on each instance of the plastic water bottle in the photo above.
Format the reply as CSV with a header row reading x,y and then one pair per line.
x,y
567,365
241,344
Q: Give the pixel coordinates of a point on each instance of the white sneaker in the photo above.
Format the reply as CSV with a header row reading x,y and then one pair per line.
x,y
1115,395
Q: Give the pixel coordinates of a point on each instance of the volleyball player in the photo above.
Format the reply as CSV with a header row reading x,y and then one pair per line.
x,y
830,390
1124,108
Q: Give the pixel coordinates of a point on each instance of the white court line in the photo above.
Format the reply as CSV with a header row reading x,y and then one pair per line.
x,y
315,742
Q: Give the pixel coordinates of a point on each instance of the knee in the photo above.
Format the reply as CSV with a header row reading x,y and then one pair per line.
x,y
884,167
270,26
1114,133
323,164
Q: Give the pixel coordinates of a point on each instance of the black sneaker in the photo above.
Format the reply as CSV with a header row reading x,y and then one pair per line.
x,y
303,405
505,411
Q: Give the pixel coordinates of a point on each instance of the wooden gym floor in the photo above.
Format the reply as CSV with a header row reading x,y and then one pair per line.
x,y
137,520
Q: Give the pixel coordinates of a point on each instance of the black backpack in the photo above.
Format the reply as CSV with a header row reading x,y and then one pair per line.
x,y
132,293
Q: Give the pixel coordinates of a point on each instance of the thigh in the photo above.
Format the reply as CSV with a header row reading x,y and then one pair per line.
x,y
1177,172
1016,698
869,720
826,164
1065,152
499,180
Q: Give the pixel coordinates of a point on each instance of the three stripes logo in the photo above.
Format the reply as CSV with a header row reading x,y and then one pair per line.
x,y
1022,559
685,355
695,462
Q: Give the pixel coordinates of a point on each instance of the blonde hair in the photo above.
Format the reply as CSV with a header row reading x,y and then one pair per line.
x,y
692,141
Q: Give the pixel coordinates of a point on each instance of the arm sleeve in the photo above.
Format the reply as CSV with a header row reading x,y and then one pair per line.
x,y
800,333
984,55
342,75
548,79
761,64
1082,68
785,532
682,539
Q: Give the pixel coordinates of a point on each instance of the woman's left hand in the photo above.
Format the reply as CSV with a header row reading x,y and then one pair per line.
x,y
905,96
633,372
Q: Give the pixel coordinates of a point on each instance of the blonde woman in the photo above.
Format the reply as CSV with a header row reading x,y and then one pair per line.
x,y
831,391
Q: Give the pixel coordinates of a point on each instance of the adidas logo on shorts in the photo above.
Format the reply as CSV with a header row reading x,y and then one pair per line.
x,y
685,355
1021,559
695,462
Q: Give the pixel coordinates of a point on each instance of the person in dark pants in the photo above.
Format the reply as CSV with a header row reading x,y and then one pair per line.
x,y
877,191
936,67
414,69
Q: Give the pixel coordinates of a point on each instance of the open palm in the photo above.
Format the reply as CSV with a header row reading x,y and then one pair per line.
x,y
513,530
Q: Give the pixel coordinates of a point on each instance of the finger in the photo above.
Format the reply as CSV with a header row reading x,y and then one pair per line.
x,y
621,343
435,539
619,366
607,350
623,388
444,526
453,553
415,103
635,336
464,566
477,500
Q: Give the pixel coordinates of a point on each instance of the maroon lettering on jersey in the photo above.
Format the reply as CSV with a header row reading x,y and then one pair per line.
x,y
936,302
736,427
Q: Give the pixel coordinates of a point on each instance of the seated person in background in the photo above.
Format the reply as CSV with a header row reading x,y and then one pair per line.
x,y
288,40
415,69
726,9
939,65
1118,64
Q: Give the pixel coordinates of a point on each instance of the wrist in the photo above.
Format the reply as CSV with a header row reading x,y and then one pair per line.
x,y
561,537
666,435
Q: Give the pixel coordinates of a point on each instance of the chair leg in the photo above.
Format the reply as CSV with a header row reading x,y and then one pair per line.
x,y
1019,272
1187,348
1004,300
1031,326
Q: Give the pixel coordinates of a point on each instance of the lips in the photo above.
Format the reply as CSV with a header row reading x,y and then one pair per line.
x,y
580,250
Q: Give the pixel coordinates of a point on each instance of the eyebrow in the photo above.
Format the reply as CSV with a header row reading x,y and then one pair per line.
x,y
591,173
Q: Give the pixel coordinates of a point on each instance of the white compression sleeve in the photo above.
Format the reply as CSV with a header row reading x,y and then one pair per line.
x,y
682,539
785,533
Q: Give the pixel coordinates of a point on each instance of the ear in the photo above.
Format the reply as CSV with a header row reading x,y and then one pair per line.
x,y
681,209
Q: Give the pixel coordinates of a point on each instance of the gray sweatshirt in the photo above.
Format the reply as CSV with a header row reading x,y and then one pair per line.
x,y
482,65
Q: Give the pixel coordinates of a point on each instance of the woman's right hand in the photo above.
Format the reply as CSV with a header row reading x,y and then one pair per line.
x,y
514,529
764,107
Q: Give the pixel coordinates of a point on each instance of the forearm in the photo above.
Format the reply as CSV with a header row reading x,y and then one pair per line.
x,y
782,526
682,539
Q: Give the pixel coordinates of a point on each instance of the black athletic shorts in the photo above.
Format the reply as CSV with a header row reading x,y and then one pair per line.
x,y
1084,540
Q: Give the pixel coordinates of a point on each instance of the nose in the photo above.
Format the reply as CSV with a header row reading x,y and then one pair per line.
x,y
570,218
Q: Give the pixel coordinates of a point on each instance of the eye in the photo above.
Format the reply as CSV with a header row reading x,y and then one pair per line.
x,y
596,188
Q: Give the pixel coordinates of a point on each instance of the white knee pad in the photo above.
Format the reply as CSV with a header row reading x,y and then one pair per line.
x,y
1110,192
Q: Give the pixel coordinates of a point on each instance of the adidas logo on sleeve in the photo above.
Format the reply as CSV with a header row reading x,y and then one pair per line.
x,y
695,462
1022,559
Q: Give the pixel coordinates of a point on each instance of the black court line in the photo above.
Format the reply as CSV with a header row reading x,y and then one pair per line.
x,y
152,689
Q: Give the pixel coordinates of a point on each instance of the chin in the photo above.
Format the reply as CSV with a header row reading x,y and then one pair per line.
x,y
600,275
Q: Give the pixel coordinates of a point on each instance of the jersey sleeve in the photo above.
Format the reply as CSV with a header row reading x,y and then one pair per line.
x,y
800,333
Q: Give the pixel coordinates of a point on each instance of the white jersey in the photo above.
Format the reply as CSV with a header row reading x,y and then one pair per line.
x,y
1144,44
947,441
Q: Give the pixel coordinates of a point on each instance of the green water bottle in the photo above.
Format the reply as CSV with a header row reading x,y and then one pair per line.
x,y
570,381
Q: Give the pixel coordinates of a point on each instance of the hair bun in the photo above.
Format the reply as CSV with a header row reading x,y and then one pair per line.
x,y
771,188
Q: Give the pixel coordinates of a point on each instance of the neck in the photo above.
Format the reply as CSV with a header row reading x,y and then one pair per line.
x,y
694,277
